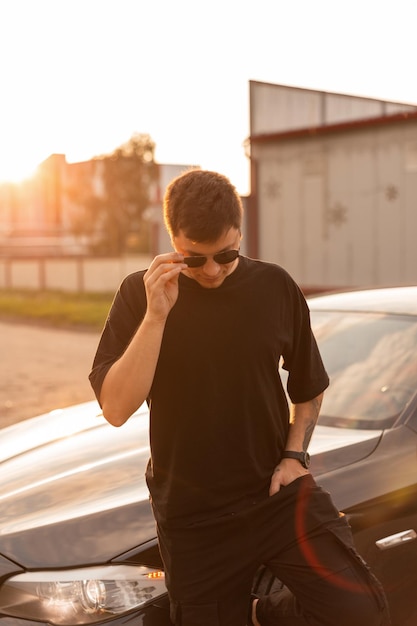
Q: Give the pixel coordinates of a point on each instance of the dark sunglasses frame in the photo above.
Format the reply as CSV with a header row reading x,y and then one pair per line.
x,y
228,256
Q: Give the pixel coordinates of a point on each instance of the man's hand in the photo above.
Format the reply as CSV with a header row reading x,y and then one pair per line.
x,y
284,474
303,418
161,284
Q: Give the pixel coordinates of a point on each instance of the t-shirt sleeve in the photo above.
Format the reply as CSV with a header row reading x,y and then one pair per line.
x,y
125,315
307,377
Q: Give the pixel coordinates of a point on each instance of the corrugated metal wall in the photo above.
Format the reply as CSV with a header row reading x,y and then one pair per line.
x,y
339,209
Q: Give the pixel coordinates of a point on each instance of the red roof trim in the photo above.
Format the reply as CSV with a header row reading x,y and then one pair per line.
x,y
404,116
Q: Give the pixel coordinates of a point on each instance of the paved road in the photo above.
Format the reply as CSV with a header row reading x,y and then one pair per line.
x,y
42,369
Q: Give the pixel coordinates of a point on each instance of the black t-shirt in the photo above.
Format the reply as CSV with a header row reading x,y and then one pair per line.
x,y
218,410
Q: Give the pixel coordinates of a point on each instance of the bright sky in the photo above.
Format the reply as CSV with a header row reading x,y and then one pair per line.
x,y
79,77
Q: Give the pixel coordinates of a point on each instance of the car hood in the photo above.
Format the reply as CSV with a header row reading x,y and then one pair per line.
x,y
73,490
327,444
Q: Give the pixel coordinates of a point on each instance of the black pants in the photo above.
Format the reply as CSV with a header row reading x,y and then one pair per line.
x,y
300,536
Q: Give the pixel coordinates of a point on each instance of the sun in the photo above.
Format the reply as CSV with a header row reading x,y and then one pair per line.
x,y
22,149
17,168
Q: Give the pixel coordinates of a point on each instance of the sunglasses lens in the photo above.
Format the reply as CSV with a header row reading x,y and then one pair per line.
x,y
195,261
226,257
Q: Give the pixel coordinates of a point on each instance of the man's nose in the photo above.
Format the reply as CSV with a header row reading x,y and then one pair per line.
x,y
211,268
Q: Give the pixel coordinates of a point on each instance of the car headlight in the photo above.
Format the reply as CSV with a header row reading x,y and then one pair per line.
x,y
81,596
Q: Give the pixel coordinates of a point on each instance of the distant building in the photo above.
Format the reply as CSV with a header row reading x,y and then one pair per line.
x,y
37,215
333,186
41,217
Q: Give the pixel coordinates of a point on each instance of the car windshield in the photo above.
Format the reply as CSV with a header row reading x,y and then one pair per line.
x,y
372,363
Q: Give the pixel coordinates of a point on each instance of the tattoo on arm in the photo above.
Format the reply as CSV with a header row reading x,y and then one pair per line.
x,y
308,434
315,405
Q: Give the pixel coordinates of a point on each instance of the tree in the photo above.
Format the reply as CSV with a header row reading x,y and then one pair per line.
x,y
112,195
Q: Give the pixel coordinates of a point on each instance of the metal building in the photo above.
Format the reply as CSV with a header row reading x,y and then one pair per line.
x,y
333,186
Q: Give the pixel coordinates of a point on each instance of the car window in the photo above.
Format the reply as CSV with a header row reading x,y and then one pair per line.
x,y
372,363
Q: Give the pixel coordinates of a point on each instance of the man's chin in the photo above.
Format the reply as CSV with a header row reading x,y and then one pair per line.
x,y
210,283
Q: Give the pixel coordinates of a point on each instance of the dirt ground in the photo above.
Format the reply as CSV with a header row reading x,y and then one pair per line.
x,y
42,369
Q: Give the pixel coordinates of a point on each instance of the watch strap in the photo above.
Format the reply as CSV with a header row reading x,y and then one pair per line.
x,y
302,457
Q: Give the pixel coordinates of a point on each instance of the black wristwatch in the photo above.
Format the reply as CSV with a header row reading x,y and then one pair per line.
x,y
303,457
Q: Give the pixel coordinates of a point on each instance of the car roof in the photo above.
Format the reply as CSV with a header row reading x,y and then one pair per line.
x,y
395,300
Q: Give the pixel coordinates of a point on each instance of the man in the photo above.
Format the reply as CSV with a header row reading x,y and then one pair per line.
x,y
199,335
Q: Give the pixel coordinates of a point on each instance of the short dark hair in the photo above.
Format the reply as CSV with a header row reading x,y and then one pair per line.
x,y
201,204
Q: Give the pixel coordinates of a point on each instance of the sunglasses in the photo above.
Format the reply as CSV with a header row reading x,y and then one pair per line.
x,y
222,258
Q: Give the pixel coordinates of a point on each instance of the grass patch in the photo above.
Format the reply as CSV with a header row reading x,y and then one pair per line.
x,y
56,308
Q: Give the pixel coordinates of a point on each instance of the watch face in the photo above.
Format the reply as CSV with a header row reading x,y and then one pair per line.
x,y
306,462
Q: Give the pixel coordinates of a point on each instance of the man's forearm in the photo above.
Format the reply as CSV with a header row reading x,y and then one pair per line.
x,y
128,382
303,419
